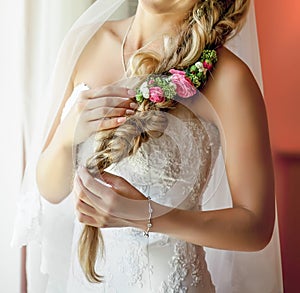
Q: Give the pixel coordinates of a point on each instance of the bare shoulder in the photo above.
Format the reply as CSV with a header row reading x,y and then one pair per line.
x,y
227,59
110,31
232,86
112,28
233,79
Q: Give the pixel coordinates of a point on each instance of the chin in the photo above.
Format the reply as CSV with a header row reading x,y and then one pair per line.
x,y
154,6
170,6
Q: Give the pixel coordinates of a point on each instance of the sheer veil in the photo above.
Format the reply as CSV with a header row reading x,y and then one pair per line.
x,y
231,271
243,271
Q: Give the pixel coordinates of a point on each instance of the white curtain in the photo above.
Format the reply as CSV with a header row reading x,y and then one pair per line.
x,y
10,146
45,24
31,32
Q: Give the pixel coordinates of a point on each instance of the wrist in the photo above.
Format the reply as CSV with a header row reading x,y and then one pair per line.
x,y
167,222
145,221
163,219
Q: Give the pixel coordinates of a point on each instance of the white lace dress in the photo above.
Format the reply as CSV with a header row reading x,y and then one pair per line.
x,y
173,170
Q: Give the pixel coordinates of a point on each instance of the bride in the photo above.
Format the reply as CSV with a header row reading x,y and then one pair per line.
x,y
150,106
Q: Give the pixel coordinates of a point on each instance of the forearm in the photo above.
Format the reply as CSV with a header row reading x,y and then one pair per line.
x,y
55,170
228,229
238,228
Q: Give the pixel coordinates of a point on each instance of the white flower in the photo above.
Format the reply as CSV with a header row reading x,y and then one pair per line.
x,y
145,90
171,84
200,66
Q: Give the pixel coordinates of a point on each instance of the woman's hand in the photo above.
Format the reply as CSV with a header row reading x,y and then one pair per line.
x,y
114,204
94,110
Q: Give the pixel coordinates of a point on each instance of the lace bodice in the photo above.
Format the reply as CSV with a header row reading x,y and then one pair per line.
x,y
173,169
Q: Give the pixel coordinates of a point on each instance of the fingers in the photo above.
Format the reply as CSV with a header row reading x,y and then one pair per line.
x,y
111,96
106,118
111,179
109,91
105,124
106,108
86,195
84,208
107,112
123,187
113,102
95,194
86,211
93,188
121,201
87,220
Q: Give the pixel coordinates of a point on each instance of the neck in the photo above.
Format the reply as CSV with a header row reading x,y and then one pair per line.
x,y
147,27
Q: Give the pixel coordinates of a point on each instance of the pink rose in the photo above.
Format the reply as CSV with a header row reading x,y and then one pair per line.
x,y
156,95
174,71
207,64
184,86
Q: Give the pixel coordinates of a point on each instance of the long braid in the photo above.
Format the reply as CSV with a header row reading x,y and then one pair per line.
x,y
112,147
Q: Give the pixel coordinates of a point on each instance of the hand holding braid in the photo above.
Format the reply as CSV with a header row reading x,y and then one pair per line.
x,y
112,147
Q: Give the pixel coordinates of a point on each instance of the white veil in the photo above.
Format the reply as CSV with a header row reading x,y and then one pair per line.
x,y
243,271
231,271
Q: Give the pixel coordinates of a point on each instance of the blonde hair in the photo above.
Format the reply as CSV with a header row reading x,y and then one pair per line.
x,y
209,24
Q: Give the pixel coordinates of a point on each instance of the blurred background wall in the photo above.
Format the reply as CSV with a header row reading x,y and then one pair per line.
x,y
278,26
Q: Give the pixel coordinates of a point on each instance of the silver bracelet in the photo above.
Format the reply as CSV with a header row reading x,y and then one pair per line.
x,y
149,224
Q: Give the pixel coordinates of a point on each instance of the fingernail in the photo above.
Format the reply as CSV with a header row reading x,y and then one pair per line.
x,y
129,112
131,92
133,105
102,182
121,119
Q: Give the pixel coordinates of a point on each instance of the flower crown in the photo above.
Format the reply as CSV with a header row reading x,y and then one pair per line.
x,y
181,83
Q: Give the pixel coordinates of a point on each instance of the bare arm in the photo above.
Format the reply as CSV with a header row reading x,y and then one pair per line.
x,y
54,168
249,224
88,115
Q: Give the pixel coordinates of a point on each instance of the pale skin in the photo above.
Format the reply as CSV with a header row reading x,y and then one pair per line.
x,y
238,102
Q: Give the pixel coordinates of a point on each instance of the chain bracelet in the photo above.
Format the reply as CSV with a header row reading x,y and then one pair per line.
x,y
149,224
